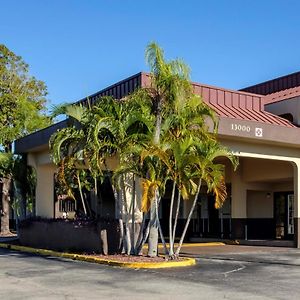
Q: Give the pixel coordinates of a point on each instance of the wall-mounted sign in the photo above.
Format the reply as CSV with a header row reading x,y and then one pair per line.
x,y
239,127
258,132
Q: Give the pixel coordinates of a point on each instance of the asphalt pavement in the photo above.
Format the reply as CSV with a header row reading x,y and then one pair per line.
x,y
222,272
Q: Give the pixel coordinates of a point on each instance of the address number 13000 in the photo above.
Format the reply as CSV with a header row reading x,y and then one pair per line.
x,y
239,127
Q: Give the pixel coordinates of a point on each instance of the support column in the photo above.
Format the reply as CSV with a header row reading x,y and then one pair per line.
x,y
238,205
297,205
45,191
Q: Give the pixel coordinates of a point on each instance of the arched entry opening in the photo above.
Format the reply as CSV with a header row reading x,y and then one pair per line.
x,y
260,203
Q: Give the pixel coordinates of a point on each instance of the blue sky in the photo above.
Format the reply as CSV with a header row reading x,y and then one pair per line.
x,y
79,47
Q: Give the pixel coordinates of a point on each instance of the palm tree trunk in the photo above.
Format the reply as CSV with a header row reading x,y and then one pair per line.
x,y
171,244
123,241
121,223
96,195
188,219
176,216
118,215
6,185
81,194
146,234
140,236
127,231
159,228
133,215
153,234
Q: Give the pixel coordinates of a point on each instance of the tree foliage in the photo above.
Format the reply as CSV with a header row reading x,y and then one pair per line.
x,y
22,99
158,134
22,111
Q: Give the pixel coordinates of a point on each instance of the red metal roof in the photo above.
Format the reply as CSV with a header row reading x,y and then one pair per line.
x,y
238,105
233,104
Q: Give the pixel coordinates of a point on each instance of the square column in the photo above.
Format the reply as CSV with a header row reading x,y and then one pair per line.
x,y
45,191
238,204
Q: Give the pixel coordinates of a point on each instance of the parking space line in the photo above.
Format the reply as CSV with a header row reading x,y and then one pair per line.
x,y
235,270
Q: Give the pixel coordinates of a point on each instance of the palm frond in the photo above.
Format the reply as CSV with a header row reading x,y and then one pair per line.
x,y
149,191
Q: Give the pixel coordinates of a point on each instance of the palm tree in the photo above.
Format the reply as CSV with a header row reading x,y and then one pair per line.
x,y
68,147
120,129
208,171
183,126
157,133
169,84
184,137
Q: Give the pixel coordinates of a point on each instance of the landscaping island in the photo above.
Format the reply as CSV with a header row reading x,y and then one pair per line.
x,y
125,261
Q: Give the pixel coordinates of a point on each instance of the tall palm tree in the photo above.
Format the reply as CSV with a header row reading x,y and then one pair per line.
x,y
157,133
182,127
169,84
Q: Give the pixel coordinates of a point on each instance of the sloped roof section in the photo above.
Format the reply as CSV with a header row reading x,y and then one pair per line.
x,y
238,105
282,95
118,90
275,85
233,104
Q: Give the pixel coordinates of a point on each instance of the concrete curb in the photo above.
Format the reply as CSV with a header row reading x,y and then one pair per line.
x,y
186,261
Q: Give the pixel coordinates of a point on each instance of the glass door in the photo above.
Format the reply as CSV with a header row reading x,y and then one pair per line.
x,y
279,215
284,215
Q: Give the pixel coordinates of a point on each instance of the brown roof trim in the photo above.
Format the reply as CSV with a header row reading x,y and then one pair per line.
x,y
118,90
37,139
275,85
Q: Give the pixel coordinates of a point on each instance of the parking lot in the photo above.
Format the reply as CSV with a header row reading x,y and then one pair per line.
x,y
222,272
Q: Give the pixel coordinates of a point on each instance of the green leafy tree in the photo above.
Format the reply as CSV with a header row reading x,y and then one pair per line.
x,y
22,111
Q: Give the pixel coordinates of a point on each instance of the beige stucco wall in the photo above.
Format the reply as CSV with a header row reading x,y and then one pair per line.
x,y
260,204
45,170
45,190
262,168
266,170
238,194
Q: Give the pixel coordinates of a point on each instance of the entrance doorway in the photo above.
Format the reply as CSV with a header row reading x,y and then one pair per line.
x,y
284,215
210,222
